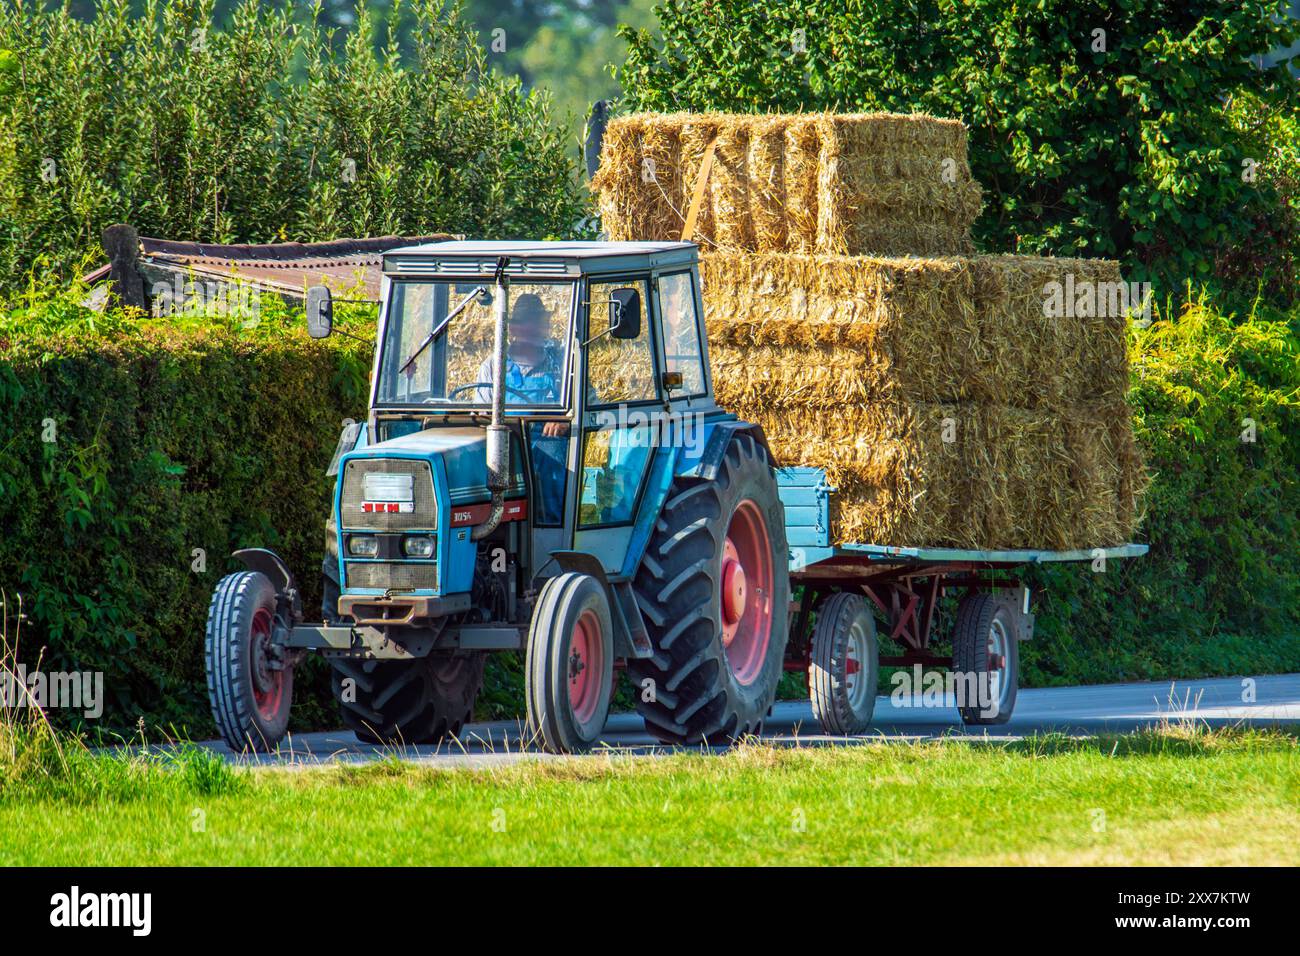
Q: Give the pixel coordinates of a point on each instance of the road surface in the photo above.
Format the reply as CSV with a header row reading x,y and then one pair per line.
x,y
1079,711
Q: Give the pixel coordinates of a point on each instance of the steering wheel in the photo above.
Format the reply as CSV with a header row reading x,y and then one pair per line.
x,y
488,385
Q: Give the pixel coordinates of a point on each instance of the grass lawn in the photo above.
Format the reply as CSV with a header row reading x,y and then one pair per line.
x,y
1175,798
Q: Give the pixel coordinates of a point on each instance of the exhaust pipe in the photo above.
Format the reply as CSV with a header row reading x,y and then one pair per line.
x,y
498,436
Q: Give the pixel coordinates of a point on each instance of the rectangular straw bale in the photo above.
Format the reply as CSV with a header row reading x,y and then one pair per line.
x,y
767,201
728,187
822,330
964,476
801,168
695,134
639,181
894,185
848,184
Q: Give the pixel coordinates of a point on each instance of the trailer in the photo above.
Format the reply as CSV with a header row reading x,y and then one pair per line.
x,y
847,587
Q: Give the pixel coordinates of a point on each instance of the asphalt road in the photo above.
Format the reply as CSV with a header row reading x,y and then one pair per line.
x,y
1079,711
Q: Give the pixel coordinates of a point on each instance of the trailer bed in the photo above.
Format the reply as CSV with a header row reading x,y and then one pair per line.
x,y
859,555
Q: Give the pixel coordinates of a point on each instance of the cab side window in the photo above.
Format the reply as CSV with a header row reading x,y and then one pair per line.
x,y
618,370
681,332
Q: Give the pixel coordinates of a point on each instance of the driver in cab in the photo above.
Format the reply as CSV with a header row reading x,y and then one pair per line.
x,y
532,368
533,377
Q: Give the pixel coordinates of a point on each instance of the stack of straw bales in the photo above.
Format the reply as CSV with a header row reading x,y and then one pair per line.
x,y
948,406
852,184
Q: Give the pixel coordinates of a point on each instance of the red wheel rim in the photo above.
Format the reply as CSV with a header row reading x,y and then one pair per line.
x,y
586,664
745,586
268,684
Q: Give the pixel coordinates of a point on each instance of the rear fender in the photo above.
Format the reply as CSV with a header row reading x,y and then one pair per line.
x,y
715,450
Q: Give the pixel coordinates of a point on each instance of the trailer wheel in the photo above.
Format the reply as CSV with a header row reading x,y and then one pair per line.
x,y
714,589
845,665
985,647
407,702
570,663
250,687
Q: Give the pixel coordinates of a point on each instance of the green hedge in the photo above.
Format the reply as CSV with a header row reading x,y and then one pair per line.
x,y
165,441
205,434
1219,592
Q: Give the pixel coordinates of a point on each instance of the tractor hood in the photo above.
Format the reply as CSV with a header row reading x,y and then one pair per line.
x,y
458,456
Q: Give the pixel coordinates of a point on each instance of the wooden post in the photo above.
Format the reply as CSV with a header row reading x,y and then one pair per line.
x,y
122,245
701,180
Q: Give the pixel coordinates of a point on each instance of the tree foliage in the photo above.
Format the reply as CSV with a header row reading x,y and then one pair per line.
x,y
1098,128
266,129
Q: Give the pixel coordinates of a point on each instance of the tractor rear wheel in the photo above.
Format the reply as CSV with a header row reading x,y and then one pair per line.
x,y
407,702
986,659
845,664
250,685
569,673
714,590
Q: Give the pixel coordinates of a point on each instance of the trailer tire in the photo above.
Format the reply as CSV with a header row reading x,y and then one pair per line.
x,y
717,656
987,628
569,668
845,665
250,701
407,702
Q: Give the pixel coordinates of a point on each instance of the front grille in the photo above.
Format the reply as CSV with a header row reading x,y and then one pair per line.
x,y
425,514
391,574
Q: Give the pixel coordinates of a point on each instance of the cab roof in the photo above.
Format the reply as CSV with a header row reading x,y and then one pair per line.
x,y
536,259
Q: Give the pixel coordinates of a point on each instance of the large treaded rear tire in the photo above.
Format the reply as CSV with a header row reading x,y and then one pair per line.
x,y
694,693
408,702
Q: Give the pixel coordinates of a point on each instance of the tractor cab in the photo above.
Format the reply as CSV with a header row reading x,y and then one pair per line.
x,y
601,339
541,424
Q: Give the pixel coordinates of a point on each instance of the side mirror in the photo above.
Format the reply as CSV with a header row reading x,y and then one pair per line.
x,y
320,312
625,314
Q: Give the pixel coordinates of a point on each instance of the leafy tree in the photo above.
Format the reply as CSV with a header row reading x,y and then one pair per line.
x,y
1098,128
266,129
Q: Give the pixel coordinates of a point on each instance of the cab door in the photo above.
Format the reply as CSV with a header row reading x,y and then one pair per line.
x,y
621,399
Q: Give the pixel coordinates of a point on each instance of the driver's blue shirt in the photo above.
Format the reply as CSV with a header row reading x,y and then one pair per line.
x,y
538,382
541,386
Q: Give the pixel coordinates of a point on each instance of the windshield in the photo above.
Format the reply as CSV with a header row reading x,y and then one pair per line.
x,y
457,366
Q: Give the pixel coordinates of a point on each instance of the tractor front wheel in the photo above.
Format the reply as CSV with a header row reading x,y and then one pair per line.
x,y
250,683
714,590
570,665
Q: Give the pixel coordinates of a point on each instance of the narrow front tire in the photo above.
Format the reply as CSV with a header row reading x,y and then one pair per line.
x,y
250,682
570,663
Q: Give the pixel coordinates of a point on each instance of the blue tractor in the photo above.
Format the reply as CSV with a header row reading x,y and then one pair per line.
x,y
542,467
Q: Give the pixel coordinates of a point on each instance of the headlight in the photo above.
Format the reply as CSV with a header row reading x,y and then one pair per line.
x,y
418,546
363,545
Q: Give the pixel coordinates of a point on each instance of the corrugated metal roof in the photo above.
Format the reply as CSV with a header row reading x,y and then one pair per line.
x,y
287,268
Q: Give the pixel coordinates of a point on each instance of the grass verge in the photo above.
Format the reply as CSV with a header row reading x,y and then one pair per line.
x,y
1177,797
